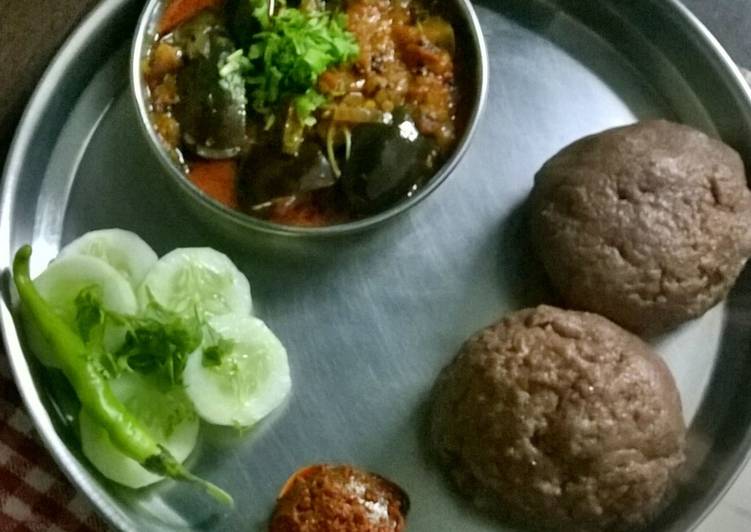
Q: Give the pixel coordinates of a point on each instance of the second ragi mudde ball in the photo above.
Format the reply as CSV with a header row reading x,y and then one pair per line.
x,y
560,419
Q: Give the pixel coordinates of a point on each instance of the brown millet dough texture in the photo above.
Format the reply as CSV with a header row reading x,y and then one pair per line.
x,y
561,419
648,224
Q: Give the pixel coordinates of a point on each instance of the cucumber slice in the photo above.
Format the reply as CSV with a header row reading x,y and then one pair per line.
x,y
62,281
168,416
251,380
187,280
123,250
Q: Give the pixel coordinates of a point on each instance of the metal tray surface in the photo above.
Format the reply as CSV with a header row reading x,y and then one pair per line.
x,y
369,321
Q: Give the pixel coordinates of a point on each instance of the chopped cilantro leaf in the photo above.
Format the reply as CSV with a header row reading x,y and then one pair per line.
x,y
157,342
213,355
286,58
89,312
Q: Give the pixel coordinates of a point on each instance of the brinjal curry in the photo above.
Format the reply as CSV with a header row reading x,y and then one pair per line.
x,y
312,113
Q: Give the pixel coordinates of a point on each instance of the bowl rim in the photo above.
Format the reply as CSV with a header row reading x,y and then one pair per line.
x,y
143,35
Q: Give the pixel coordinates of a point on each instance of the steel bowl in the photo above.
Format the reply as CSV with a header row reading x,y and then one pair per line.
x,y
473,82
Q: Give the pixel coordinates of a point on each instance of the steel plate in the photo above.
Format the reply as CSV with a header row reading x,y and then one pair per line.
x,y
369,321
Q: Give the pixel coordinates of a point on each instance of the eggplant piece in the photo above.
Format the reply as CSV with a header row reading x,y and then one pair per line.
x,y
241,23
387,163
212,109
192,37
268,174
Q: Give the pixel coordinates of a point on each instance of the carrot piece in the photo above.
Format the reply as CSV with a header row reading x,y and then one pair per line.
x,y
179,11
216,179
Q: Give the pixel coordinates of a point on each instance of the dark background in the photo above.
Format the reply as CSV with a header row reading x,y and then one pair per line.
x,y
730,21
32,30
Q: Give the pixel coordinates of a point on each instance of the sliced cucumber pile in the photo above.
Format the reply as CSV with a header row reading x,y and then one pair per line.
x,y
150,314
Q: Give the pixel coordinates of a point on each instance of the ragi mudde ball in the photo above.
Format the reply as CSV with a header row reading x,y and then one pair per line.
x,y
648,224
560,419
